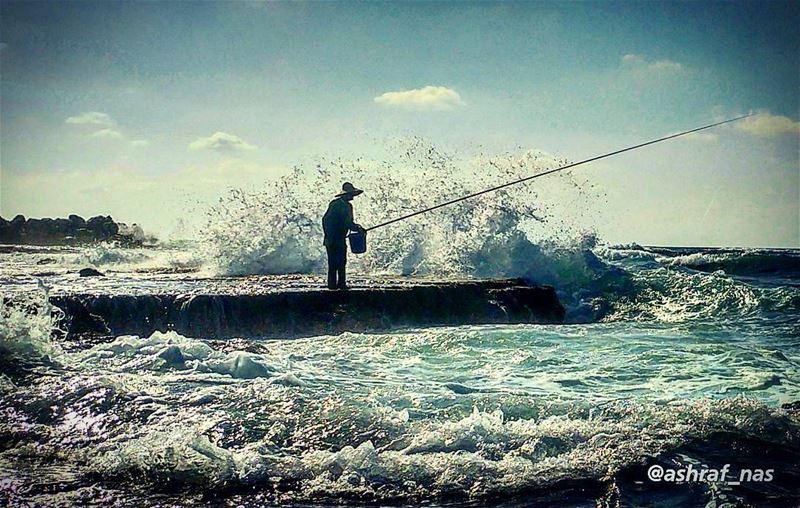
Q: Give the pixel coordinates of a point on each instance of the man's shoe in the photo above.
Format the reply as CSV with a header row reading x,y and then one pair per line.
x,y
333,287
344,287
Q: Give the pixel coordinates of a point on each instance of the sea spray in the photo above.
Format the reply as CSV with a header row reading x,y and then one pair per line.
x,y
509,232
27,324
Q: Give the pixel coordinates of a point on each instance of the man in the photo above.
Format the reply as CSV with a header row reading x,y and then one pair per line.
x,y
336,223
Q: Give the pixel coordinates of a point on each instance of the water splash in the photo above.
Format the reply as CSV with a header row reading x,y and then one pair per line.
x,y
27,324
510,232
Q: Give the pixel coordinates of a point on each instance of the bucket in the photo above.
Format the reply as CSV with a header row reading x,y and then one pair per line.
x,y
358,242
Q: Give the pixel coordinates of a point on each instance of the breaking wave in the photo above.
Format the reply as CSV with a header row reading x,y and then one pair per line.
x,y
541,232
27,324
172,352
478,456
307,421
528,230
781,263
143,259
673,289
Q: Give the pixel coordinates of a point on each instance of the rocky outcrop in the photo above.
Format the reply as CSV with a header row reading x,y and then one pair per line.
x,y
301,313
90,272
74,230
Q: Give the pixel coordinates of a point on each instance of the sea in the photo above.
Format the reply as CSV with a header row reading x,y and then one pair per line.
x,y
671,362
679,358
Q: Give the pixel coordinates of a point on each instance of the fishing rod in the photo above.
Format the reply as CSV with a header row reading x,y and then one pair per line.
x,y
555,170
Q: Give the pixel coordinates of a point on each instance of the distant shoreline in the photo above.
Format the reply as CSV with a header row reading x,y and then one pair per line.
x,y
72,231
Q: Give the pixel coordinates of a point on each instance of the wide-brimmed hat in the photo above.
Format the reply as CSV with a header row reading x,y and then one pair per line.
x,y
348,188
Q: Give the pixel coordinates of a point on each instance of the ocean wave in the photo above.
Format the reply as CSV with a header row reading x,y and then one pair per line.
x,y
27,324
136,259
672,285
746,262
170,351
480,455
20,264
540,232
277,230
375,417
673,295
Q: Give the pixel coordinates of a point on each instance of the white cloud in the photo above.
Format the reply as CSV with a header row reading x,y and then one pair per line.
x,y
667,65
100,126
428,97
768,125
631,58
639,62
707,137
92,118
221,142
106,134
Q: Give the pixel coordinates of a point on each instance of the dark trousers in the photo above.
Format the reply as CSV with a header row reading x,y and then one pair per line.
x,y
337,260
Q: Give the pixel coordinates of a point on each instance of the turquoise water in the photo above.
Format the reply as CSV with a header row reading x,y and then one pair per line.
x,y
669,360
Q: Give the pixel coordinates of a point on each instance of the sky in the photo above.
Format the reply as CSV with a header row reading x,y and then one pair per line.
x,y
142,110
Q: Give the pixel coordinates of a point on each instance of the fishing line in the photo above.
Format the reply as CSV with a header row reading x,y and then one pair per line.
x,y
555,170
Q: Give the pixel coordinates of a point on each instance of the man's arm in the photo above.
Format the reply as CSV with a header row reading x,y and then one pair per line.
x,y
352,224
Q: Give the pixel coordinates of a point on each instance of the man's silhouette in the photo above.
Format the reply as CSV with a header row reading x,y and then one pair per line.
x,y
336,223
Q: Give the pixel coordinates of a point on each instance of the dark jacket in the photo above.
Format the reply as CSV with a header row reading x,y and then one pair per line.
x,y
338,221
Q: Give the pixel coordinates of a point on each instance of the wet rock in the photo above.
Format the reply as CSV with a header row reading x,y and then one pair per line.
x,y
202,399
90,272
103,227
11,231
792,406
309,311
43,274
70,231
172,356
77,221
460,389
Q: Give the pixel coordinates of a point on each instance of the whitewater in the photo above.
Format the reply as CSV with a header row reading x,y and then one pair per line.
x,y
669,356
